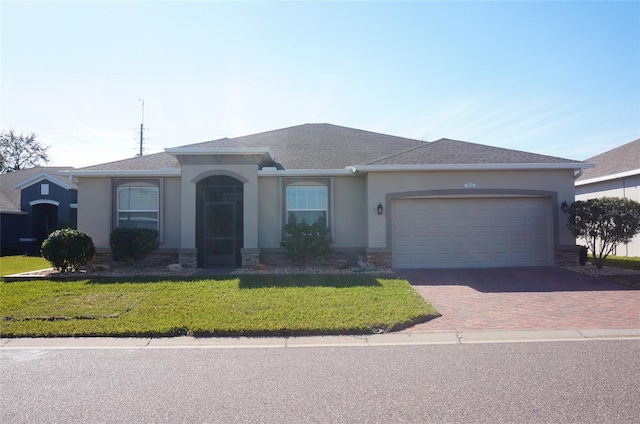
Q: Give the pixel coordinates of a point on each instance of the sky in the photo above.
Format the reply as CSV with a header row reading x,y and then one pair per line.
x,y
556,78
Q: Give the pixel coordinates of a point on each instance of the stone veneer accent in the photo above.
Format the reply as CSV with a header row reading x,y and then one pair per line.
x,y
188,260
157,259
280,257
250,258
381,259
567,257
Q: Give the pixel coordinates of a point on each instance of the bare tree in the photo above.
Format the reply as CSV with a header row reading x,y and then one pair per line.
x,y
20,151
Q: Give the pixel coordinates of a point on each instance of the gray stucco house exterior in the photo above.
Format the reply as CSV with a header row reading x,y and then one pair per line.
x,y
33,203
616,174
396,201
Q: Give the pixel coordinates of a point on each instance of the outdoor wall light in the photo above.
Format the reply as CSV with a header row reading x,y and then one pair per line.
x,y
380,209
565,206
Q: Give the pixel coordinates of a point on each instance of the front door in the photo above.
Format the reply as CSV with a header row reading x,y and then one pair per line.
x,y
44,221
219,222
219,235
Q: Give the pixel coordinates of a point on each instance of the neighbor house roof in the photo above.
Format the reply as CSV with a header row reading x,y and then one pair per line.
x,y
327,146
614,163
12,182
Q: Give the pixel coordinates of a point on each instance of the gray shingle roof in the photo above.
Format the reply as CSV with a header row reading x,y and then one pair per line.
x,y
142,163
621,159
321,146
446,151
10,197
326,146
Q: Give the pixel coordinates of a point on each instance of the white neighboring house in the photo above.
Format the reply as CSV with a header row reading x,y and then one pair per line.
x,y
616,174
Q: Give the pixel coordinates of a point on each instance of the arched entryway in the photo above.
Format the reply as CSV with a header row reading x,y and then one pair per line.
x,y
219,222
44,220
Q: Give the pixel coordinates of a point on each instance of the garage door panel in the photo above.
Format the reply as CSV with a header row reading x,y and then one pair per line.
x,y
478,222
520,221
519,240
403,241
500,258
479,240
500,239
499,222
471,232
538,222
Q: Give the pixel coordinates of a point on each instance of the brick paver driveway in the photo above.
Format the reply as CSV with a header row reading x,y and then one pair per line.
x,y
541,298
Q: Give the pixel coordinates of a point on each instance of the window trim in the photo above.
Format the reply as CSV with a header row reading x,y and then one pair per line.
x,y
120,183
306,181
121,211
325,209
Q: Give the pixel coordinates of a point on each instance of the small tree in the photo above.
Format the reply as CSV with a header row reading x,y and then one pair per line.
x,y
604,223
305,242
68,249
20,151
133,244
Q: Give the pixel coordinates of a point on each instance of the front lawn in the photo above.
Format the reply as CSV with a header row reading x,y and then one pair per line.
x,y
248,305
17,264
627,262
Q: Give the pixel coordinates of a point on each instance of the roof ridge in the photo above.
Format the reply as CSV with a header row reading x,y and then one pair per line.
x,y
426,143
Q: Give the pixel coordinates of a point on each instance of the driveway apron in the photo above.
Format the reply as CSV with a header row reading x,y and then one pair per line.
x,y
536,298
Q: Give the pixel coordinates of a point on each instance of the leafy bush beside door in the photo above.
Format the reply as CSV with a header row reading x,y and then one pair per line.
x,y
305,242
133,244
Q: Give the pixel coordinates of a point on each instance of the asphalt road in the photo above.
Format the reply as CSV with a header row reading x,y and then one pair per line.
x,y
558,382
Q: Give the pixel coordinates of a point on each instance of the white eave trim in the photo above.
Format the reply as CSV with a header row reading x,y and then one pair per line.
x,y
41,177
219,151
468,167
609,177
132,173
305,173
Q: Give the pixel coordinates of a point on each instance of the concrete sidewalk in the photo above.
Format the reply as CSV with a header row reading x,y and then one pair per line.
x,y
316,341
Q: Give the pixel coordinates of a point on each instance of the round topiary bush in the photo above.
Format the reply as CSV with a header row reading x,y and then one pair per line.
x,y
68,249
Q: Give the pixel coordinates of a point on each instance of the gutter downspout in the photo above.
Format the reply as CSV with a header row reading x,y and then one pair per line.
x,y
579,174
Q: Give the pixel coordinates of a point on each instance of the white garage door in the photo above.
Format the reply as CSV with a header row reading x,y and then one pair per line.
x,y
471,233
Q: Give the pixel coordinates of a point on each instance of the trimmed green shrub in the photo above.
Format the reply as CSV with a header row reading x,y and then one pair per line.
x,y
604,223
133,244
305,242
68,249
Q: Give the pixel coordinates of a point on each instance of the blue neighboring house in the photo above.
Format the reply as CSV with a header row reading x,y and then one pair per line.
x,y
33,203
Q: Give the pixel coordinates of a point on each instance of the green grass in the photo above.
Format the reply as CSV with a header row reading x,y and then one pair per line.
x,y
17,264
251,305
627,262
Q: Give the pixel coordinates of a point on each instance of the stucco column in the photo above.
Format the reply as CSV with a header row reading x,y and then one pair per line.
x,y
188,215
251,210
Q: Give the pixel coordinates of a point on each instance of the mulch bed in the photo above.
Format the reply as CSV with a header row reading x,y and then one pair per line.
x,y
625,277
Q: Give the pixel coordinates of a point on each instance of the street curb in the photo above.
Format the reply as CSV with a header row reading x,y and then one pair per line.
x,y
187,342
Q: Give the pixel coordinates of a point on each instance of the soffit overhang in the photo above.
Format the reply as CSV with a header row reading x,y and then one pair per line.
x,y
609,177
259,154
470,167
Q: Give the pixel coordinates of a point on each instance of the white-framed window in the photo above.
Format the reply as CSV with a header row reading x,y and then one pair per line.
x,y
138,207
308,203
